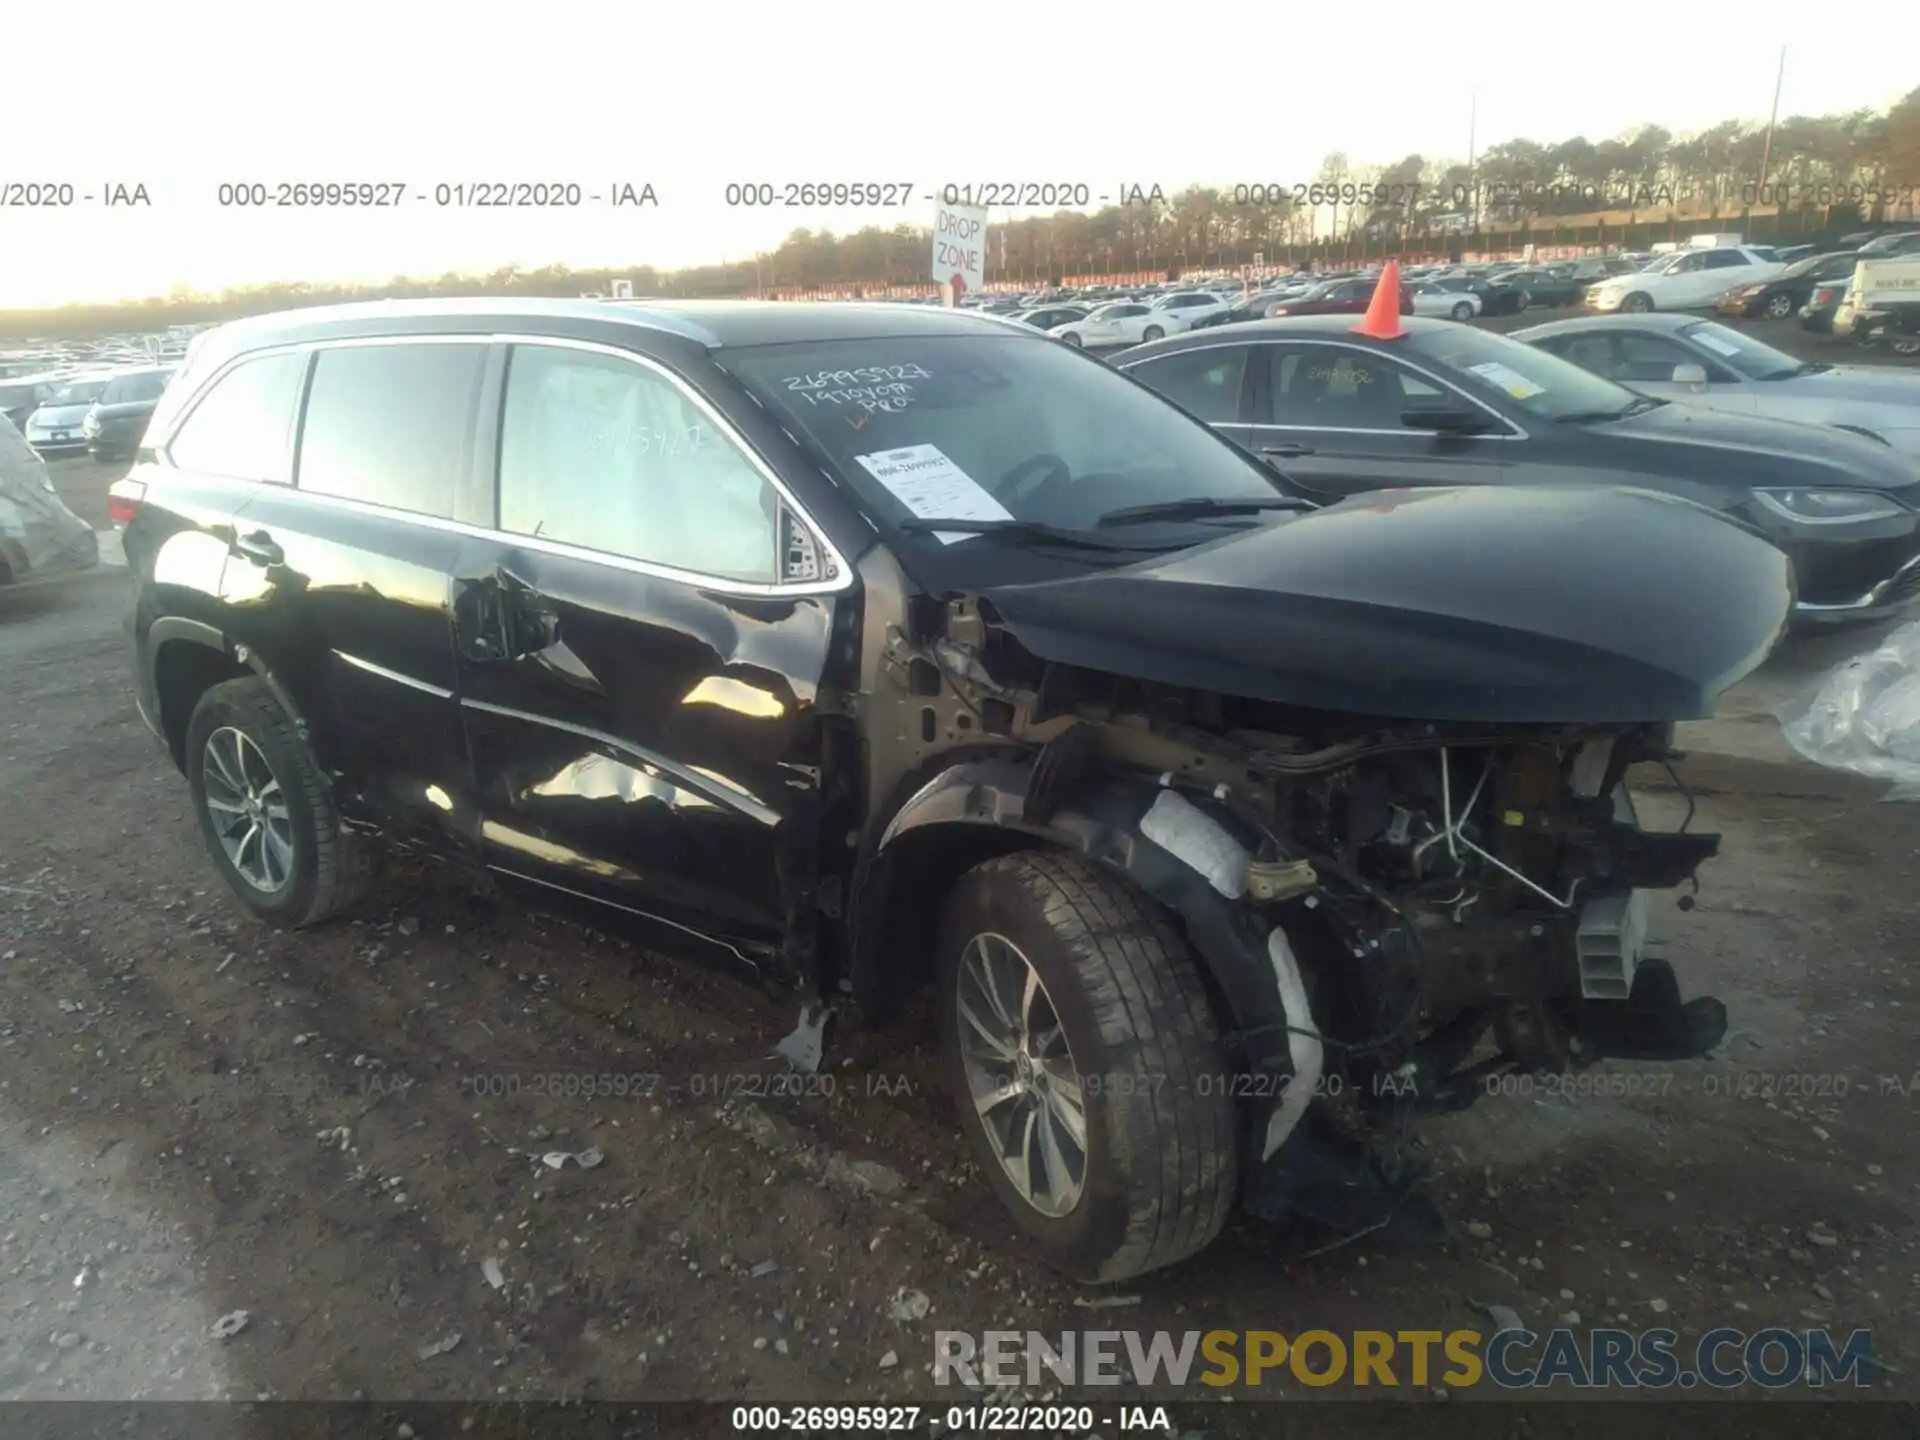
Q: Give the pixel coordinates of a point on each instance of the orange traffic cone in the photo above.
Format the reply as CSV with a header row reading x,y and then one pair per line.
x,y
1382,321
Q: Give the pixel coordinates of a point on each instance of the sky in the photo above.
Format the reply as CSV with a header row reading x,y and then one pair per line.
x,y
185,97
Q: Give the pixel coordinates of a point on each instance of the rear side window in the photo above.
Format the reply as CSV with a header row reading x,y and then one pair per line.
x,y
242,426
1205,383
609,455
391,424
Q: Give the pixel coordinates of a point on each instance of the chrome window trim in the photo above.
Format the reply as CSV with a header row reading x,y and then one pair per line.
x,y
1439,380
841,580
842,573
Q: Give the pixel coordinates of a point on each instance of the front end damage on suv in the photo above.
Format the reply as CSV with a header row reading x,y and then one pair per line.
x,y
1389,907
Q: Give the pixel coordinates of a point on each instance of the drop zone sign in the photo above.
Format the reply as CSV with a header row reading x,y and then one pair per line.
x,y
960,248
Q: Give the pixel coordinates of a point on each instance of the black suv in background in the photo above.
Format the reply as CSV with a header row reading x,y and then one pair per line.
x,y
880,646
114,425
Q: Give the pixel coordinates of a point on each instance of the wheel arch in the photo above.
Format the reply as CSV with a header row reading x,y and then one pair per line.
x,y
978,810
187,659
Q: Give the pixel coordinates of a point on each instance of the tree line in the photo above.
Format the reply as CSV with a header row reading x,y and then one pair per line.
x,y
1821,172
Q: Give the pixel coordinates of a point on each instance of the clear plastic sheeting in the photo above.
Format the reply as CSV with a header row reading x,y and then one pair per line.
x,y
1865,717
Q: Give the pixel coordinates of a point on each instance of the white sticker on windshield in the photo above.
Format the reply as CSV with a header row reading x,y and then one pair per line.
x,y
1715,343
924,480
1511,381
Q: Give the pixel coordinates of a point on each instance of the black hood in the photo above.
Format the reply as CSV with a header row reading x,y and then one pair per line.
x,y
1772,452
1488,605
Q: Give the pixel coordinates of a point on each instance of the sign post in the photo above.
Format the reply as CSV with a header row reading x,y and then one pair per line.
x,y
959,250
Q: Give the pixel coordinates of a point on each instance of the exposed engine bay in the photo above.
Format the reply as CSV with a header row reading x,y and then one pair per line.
x,y
1438,904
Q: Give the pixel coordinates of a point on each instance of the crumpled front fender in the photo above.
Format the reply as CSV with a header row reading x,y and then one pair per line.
x,y
1101,818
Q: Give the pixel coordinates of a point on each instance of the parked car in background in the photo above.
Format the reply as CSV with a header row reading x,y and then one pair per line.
x,y
39,536
1495,295
1784,294
24,394
1186,306
54,427
1337,297
1048,316
1885,247
1543,286
1122,322
1685,280
1436,300
114,425
1702,362
644,606
1817,314
1338,414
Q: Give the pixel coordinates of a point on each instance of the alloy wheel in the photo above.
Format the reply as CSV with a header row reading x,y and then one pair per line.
x,y
248,809
1780,306
1021,1078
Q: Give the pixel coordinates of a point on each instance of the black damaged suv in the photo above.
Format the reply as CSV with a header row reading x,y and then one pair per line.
x,y
884,646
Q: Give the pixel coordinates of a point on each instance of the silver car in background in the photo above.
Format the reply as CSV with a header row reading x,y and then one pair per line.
x,y
1702,362
39,536
54,428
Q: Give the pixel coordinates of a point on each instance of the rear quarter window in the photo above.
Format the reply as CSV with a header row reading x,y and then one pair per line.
x,y
242,428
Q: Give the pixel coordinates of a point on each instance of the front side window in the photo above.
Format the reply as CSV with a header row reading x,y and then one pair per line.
x,y
243,426
607,454
1205,383
390,425
1334,387
997,425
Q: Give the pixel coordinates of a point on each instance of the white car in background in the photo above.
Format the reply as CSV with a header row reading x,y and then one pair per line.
x,y
1187,306
1437,300
1125,322
1686,280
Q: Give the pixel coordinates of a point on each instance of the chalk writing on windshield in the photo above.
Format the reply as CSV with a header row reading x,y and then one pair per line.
x,y
862,375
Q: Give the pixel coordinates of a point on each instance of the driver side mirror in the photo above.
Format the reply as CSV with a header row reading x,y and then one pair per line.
x,y
1691,375
1445,420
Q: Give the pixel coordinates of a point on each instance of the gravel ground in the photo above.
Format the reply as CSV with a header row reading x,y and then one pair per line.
x,y
338,1133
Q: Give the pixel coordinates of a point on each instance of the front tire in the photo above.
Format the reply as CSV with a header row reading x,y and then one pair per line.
x,y
1072,338
1778,307
266,810
1638,303
1463,311
1086,1064
1152,332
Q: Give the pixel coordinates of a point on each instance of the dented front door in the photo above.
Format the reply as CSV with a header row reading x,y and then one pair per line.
x,y
636,671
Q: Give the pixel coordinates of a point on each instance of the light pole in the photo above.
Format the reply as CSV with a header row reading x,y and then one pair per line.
x,y
1766,150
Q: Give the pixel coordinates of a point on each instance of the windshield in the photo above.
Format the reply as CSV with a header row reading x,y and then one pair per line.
x,y
1539,383
131,388
83,392
1752,358
991,427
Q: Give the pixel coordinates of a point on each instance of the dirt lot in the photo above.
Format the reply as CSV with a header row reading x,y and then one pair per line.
x,y
333,1131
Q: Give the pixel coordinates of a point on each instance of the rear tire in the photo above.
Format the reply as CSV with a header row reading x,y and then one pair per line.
x,y
327,867
1116,983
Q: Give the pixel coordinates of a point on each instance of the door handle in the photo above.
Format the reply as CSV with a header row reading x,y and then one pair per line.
x,y
1286,451
260,548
